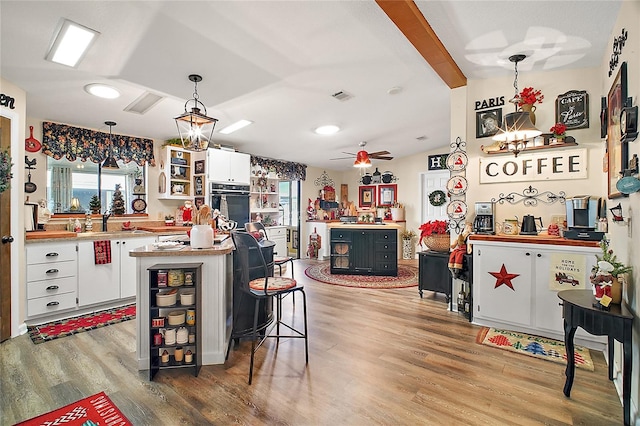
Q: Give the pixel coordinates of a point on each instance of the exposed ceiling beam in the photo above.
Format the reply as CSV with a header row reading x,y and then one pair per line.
x,y
408,18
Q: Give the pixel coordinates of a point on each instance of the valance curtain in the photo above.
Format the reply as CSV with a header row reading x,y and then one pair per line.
x,y
63,141
61,186
286,170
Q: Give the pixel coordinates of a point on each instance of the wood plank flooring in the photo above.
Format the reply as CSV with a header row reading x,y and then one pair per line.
x,y
376,357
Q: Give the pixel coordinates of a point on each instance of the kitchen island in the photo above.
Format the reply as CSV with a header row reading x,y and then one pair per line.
x,y
216,272
516,280
364,248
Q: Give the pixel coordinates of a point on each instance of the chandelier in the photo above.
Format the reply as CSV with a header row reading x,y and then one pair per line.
x,y
194,127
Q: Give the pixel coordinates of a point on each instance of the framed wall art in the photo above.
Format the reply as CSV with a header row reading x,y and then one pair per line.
x,y
488,122
198,167
617,151
572,109
387,194
367,196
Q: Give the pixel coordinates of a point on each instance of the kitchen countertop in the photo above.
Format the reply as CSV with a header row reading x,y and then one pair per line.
x,y
224,247
56,235
384,225
534,239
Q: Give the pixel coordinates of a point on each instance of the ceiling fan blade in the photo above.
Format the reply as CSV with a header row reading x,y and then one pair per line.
x,y
381,158
341,158
377,153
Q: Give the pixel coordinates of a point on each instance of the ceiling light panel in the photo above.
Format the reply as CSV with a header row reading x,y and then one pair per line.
x,y
70,44
102,91
235,126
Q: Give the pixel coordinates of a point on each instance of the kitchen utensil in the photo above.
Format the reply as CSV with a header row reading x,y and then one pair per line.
x,y
387,177
528,226
32,144
29,187
366,179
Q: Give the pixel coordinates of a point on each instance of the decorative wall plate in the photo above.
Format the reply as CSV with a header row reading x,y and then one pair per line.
x,y
628,185
457,209
457,161
457,185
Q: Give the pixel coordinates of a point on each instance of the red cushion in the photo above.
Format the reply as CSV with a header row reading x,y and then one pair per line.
x,y
257,235
275,284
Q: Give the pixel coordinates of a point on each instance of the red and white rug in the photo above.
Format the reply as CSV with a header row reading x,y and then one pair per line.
x,y
407,277
54,330
94,410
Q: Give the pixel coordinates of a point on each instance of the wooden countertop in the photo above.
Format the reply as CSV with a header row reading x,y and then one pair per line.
x,y
225,247
384,225
53,235
534,239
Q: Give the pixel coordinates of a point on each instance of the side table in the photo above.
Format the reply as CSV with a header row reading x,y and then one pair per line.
x,y
434,274
616,324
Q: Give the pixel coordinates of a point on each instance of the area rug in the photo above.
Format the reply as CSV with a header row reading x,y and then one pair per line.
x,y
407,277
535,346
94,410
54,330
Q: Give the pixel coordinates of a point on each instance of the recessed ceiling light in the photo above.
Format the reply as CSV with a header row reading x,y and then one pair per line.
x,y
71,43
235,126
102,91
329,129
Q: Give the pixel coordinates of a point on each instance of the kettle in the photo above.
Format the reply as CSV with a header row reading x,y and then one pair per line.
x,y
528,226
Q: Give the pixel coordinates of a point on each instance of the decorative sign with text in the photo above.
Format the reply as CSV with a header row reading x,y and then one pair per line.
x,y
572,109
550,165
567,272
437,162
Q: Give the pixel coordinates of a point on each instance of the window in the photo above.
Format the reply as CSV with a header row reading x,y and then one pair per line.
x,y
289,202
67,180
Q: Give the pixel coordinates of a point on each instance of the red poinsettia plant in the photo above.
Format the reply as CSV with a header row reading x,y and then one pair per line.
x,y
558,129
433,227
530,96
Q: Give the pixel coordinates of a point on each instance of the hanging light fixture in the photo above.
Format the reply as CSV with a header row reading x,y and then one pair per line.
x,y
194,127
517,127
362,157
110,162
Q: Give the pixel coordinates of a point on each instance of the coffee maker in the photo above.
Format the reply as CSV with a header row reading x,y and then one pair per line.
x,y
484,222
582,217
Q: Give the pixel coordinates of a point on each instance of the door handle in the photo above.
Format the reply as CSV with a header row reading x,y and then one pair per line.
x,y
52,271
7,239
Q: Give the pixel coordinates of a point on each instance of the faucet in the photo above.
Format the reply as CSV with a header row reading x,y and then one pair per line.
x,y
105,217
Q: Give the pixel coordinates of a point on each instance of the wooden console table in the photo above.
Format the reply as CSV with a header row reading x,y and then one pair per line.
x,y
616,324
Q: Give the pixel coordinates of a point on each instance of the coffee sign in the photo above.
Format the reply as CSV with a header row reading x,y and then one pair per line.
x,y
572,109
562,165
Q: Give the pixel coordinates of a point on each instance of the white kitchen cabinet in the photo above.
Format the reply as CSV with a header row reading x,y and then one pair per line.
x,y
128,264
323,230
228,167
530,306
178,175
113,281
52,279
278,234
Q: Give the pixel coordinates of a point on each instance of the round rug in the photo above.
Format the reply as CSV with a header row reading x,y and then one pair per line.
x,y
407,277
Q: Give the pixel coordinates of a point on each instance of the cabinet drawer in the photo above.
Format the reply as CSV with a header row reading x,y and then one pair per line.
x,y
50,253
52,270
390,268
381,236
386,247
385,256
277,232
340,236
51,304
51,287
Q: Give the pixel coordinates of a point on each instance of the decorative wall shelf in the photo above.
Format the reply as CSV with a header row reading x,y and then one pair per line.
x,y
537,148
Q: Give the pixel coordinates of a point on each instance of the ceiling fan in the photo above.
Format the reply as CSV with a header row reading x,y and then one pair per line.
x,y
362,156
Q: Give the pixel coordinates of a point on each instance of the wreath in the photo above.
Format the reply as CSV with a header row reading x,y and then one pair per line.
x,y
437,198
5,170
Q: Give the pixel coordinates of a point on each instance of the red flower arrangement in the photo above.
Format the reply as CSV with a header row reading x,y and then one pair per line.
x,y
558,129
433,227
530,96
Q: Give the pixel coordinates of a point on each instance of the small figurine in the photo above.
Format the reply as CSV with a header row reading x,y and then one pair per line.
x,y
458,250
44,214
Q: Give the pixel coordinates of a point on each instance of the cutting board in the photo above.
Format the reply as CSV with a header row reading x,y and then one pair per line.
x,y
41,235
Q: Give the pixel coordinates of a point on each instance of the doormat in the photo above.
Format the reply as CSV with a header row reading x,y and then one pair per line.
x,y
407,277
535,346
94,410
66,327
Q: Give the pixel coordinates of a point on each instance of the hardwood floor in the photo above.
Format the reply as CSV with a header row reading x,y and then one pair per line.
x,y
376,357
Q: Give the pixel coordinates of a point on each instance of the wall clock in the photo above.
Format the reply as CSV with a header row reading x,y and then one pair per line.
x,y
629,123
139,205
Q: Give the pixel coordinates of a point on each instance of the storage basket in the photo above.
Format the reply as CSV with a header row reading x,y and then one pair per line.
x,y
167,298
176,317
188,297
438,242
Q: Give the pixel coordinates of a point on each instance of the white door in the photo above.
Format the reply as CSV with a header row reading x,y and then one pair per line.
x,y
429,182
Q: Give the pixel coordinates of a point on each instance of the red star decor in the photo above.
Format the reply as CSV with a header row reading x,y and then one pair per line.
x,y
503,277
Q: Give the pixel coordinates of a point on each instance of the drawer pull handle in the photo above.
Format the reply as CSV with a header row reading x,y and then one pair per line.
x,y
52,271
53,303
51,254
53,287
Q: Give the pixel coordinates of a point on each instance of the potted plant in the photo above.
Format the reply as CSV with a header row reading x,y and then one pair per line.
x,y
527,99
95,205
169,220
435,234
559,132
605,275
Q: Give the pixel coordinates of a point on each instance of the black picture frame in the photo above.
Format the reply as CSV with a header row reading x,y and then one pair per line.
x,y
572,109
617,150
488,122
198,185
367,196
198,167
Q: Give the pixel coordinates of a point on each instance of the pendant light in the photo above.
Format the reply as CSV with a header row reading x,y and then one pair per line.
x,y
110,162
362,158
194,127
517,127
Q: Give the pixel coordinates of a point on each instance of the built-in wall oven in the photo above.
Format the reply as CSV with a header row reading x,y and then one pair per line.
x,y
232,201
